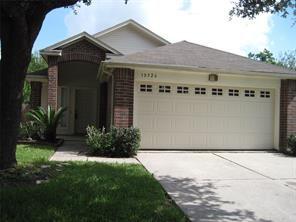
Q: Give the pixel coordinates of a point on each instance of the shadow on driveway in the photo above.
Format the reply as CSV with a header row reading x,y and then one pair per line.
x,y
202,203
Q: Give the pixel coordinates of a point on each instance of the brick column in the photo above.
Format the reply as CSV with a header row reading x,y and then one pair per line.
x,y
123,97
52,82
35,97
287,111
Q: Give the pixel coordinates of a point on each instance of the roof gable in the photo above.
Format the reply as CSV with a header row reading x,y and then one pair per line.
x,y
55,49
135,25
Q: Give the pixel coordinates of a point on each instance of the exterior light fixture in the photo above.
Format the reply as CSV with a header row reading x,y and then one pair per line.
x,y
213,77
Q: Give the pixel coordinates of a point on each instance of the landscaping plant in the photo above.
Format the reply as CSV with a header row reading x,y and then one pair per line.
x,y
47,120
119,142
292,144
29,130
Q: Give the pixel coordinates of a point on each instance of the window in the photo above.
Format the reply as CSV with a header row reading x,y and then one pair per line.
x,y
265,94
233,92
217,92
164,89
200,91
145,88
182,90
249,93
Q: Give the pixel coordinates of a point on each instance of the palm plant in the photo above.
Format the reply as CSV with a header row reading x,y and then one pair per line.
x,y
47,120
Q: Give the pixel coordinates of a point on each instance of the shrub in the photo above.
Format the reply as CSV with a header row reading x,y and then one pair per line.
x,y
292,144
29,130
119,142
98,140
47,120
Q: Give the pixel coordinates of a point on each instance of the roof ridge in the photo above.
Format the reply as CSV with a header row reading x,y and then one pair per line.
x,y
230,53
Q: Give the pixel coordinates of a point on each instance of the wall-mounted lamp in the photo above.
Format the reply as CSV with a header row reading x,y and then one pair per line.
x,y
213,77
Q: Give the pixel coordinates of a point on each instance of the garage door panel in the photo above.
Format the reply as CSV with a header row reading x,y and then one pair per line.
x,y
146,122
192,121
200,107
163,123
183,124
164,107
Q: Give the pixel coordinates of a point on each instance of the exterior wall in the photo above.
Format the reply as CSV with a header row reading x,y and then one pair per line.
x,y
198,78
35,98
128,40
123,97
287,111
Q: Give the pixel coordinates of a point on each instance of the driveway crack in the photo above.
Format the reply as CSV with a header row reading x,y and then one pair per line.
x,y
254,171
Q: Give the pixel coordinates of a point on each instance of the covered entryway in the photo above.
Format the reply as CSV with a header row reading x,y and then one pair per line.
x,y
85,109
172,116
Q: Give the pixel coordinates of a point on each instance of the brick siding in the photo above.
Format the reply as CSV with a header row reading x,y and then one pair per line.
x,y
287,111
52,96
123,97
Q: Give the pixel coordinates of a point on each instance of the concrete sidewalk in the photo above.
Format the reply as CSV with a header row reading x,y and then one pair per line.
x,y
75,150
227,186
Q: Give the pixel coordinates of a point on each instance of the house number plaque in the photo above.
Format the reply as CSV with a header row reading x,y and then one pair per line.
x,y
148,75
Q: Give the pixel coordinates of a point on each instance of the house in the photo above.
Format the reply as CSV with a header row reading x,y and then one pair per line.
x,y
180,95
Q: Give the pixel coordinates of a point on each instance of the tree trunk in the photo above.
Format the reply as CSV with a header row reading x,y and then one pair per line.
x,y
20,24
15,57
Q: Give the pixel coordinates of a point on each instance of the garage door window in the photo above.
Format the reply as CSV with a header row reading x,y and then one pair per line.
x,y
182,90
145,88
249,93
233,92
217,92
164,89
200,91
264,94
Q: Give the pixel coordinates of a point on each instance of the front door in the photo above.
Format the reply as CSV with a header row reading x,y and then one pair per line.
x,y
85,109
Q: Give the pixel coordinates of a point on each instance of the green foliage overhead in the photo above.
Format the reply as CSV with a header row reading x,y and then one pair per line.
x,y
26,92
286,59
252,8
47,120
37,63
264,56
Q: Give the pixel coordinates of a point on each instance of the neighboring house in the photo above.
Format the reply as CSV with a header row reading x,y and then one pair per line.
x,y
181,95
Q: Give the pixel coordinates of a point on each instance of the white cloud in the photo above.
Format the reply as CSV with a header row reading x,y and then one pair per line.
x,y
198,21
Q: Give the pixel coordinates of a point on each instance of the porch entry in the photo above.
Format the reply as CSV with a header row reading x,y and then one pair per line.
x,y
85,109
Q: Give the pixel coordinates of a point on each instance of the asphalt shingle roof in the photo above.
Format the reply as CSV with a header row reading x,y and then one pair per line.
x,y
186,54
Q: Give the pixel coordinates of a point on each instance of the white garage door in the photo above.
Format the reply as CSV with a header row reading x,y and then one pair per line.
x,y
204,117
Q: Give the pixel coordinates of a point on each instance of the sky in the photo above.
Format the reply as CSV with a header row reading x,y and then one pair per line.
x,y
198,21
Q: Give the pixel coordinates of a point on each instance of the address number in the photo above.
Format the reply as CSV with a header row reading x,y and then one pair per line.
x,y
148,75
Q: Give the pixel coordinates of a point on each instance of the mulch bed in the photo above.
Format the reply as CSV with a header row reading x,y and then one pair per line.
x,y
34,174
58,142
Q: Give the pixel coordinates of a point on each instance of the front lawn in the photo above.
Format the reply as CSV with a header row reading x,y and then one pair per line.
x,y
85,191
26,154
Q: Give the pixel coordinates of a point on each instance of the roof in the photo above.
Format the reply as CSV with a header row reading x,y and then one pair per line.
x,y
134,24
55,48
189,55
42,72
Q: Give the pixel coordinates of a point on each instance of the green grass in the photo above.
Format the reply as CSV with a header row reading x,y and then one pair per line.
x,y
85,191
26,154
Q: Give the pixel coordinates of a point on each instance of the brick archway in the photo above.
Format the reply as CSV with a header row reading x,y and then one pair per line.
x,y
83,51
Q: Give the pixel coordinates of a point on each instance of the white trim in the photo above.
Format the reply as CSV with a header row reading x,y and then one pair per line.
x,y
111,64
51,50
37,78
135,24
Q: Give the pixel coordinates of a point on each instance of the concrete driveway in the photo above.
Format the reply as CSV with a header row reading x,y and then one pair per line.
x,y
227,186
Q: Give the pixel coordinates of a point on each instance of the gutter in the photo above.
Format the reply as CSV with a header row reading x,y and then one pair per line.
x,y
110,64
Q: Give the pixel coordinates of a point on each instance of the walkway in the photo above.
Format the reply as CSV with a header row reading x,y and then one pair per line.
x,y
74,149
